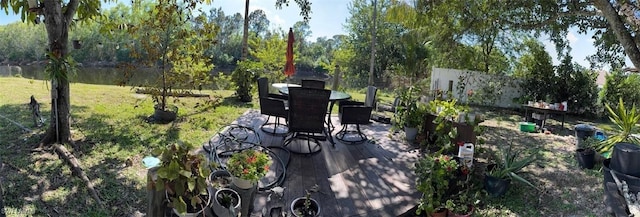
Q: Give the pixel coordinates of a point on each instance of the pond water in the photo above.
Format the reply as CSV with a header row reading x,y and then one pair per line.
x,y
87,75
115,76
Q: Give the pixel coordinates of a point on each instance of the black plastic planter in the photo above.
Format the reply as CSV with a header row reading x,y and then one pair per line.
x,y
614,201
586,158
626,159
496,187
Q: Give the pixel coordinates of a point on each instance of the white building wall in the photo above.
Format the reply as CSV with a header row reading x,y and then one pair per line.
x,y
449,79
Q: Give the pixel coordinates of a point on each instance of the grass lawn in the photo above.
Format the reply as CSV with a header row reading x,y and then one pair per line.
x,y
112,136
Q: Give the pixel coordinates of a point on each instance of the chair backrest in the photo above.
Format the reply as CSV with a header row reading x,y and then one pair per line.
x,y
307,109
370,98
263,87
313,84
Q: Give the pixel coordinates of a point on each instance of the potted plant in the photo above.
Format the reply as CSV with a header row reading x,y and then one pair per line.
x,y
622,147
444,131
247,167
462,195
243,77
509,167
585,155
176,52
182,175
306,206
414,117
220,179
227,203
434,174
410,113
626,120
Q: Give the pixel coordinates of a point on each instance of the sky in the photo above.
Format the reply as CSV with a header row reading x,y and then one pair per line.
x,y
328,17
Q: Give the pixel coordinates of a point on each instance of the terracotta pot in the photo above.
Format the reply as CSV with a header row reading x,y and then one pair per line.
x,y
440,213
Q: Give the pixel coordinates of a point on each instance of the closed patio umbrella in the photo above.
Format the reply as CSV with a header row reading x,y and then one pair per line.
x,y
289,68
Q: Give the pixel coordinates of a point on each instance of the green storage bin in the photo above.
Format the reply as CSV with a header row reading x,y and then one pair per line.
x,y
527,127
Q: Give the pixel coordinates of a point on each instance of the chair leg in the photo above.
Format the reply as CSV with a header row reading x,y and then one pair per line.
x,y
275,125
362,136
300,149
345,131
329,137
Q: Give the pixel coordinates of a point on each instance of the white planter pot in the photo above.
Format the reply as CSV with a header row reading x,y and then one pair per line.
x,y
411,133
222,211
242,183
300,201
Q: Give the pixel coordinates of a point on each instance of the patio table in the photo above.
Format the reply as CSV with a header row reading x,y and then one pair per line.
x,y
335,96
281,85
544,113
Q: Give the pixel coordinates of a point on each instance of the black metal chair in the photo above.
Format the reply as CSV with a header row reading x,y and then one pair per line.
x,y
355,113
313,84
272,105
307,110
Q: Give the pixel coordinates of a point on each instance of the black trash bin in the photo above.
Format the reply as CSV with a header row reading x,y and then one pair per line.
x,y
582,132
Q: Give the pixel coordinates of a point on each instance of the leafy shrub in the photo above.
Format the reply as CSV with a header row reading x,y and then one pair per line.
x,y
576,85
620,86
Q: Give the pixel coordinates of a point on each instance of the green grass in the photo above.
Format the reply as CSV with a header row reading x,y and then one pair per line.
x,y
111,137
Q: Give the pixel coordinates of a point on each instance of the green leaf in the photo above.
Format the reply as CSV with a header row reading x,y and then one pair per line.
x,y
179,187
519,178
202,185
179,205
185,173
191,185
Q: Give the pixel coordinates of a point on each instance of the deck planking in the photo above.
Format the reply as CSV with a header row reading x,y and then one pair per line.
x,y
374,178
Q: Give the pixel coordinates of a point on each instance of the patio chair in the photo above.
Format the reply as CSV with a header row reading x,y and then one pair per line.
x,y
355,113
272,105
307,110
313,84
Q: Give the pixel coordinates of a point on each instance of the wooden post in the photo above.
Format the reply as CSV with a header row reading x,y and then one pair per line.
x,y
336,78
155,199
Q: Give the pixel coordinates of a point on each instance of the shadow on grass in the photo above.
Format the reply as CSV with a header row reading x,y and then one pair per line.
x,y
562,189
233,101
110,151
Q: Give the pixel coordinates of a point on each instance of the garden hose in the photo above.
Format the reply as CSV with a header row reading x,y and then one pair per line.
x,y
235,140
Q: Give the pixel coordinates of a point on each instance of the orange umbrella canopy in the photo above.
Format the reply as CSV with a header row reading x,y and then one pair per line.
x,y
289,68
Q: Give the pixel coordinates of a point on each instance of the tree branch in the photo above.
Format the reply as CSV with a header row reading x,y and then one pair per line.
x,y
622,33
72,6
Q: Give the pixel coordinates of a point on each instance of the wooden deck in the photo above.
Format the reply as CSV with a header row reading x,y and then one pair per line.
x,y
370,179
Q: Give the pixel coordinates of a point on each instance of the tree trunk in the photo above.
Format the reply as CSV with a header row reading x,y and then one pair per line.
x,y
245,32
373,45
622,33
57,25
